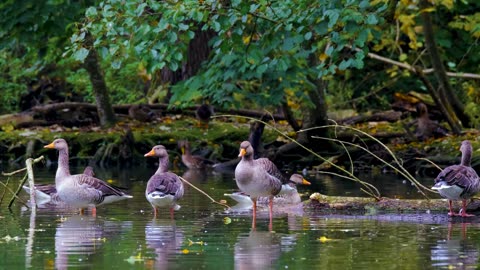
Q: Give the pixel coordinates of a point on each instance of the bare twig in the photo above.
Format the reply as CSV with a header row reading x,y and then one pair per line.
x,y
400,168
4,191
15,194
431,162
204,193
31,183
413,69
372,190
14,172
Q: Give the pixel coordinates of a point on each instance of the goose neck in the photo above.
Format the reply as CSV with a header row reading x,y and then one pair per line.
x,y
63,169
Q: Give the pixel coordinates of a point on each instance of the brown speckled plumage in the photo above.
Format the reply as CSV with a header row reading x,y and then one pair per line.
x,y
81,190
459,182
192,161
164,188
257,177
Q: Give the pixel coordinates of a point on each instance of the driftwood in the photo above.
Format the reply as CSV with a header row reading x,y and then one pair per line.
x,y
332,203
29,168
81,113
389,116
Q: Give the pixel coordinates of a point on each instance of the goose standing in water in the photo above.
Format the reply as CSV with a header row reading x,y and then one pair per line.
x,y
47,193
258,178
459,182
287,196
81,190
164,188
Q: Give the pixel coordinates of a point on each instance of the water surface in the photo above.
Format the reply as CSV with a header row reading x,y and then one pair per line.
x,y
124,235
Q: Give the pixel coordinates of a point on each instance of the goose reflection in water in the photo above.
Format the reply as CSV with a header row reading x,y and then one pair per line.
x,y
79,237
257,250
457,252
165,239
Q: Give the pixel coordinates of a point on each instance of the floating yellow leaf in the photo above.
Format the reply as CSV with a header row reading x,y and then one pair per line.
x,y
185,251
324,239
227,220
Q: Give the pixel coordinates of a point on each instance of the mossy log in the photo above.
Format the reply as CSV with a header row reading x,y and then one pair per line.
x,y
331,203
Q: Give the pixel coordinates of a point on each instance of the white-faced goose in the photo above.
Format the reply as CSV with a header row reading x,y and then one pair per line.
x,y
81,190
257,178
459,182
164,188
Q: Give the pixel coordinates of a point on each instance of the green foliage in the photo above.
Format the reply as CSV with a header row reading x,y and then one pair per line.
x,y
12,81
260,50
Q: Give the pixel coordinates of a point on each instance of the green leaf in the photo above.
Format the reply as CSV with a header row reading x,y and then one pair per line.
x,y
81,54
262,68
344,64
362,37
116,64
308,35
372,19
173,66
91,12
178,56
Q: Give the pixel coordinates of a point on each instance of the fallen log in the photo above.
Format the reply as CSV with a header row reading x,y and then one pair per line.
x,y
82,113
331,203
389,116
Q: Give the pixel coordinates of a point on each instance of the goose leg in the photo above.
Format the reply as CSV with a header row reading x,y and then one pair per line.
x,y
451,213
270,208
464,209
154,211
94,211
254,221
171,212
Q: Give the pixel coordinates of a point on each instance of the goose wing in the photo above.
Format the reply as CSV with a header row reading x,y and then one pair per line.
x,y
271,169
100,188
167,183
462,176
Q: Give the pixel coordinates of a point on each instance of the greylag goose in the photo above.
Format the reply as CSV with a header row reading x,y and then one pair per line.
x,y
203,113
258,178
427,128
192,161
459,182
288,195
164,188
81,190
47,193
141,112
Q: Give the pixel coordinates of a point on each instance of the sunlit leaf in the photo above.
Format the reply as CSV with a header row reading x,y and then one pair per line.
x,y
81,54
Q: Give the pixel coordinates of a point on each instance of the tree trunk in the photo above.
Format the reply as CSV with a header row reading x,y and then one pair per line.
x,y
102,99
446,93
198,51
448,114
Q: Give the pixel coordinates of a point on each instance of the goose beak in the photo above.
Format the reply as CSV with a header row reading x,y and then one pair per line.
x,y
50,146
150,154
305,182
242,152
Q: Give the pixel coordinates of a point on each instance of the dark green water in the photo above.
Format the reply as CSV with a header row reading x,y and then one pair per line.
x,y
124,235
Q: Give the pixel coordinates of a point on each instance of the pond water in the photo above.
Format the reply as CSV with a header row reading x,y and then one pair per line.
x,y
124,235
